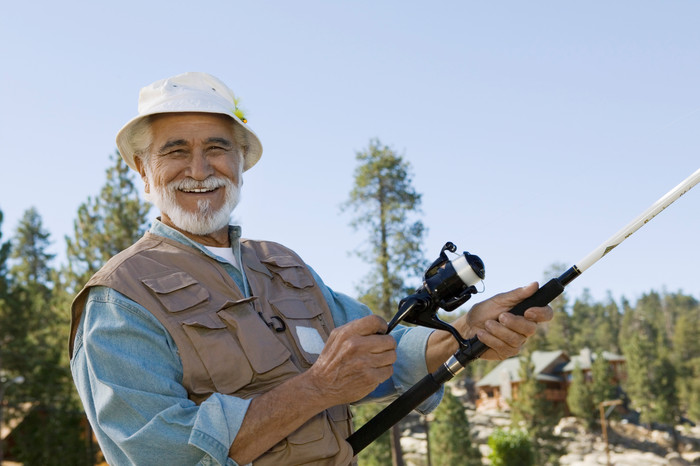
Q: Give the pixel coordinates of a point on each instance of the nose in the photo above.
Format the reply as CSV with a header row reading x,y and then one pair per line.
x,y
200,166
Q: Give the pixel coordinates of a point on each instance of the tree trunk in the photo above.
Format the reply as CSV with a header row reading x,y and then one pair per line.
x,y
396,451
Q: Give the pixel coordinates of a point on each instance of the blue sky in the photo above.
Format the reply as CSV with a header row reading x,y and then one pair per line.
x,y
535,129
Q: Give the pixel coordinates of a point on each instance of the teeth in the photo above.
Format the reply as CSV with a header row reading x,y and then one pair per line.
x,y
197,190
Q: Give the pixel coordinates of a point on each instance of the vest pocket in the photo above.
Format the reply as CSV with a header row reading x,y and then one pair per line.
x,y
222,356
315,442
262,349
269,359
304,319
177,291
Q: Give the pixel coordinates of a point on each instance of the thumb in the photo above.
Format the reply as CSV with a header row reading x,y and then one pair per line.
x,y
513,297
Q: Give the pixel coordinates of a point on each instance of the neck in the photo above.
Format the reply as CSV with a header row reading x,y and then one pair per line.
x,y
217,239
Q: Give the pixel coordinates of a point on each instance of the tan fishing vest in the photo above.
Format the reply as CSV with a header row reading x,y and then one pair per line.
x,y
228,343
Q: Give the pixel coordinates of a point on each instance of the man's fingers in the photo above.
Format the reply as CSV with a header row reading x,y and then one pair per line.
x,y
368,325
539,314
501,349
379,343
510,337
518,324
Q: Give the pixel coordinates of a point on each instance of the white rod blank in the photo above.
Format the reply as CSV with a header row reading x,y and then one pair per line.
x,y
638,222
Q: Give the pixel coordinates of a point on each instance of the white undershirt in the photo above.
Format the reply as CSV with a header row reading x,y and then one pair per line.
x,y
226,253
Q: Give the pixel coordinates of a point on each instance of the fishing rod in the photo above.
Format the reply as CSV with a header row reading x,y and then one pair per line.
x,y
449,283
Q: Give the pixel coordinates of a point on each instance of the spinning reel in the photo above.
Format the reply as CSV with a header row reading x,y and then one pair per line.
x,y
447,284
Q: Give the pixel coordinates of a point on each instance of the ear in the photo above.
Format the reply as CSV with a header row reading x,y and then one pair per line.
x,y
138,161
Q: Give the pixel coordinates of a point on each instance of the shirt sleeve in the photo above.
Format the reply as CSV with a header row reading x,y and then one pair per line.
x,y
128,375
411,343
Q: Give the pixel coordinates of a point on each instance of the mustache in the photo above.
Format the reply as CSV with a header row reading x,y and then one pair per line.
x,y
211,182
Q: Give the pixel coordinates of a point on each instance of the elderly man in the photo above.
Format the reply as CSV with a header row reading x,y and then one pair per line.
x,y
194,346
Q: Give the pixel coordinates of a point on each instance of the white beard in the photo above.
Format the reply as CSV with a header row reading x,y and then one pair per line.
x,y
205,220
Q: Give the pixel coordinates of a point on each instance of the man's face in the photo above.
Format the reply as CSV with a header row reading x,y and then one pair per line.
x,y
194,171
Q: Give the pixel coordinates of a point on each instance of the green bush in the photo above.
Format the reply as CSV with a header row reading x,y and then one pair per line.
x,y
511,448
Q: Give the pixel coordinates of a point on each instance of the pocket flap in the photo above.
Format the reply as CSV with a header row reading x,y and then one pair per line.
x,y
204,321
289,270
169,282
293,308
176,290
281,261
311,431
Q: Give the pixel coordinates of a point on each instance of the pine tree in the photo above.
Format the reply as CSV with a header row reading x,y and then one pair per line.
x,y
105,225
640,354
8,364
652,378
383,200
557,332
665,406
4,254
5,299
604,326
531,410
602,384
33,324
450,435
690,392
686,353
579,398
51,431
594,323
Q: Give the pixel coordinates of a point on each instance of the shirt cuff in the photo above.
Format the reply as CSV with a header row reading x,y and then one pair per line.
x,y
218,421
410,366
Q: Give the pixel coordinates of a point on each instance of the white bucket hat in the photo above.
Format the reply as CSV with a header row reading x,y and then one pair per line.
x,y
188,92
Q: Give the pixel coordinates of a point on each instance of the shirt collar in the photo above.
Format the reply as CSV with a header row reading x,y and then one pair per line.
x,y
161,229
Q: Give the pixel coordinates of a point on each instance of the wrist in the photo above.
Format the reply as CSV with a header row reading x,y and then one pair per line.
x,y
309,386
441,345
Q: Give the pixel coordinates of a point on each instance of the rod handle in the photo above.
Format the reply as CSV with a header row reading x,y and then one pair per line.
x,y
398,409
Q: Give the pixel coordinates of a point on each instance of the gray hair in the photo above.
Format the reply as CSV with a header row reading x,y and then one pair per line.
x,y
141,138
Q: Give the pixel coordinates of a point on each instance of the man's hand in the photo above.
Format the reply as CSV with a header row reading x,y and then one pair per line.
x,y
356,358
504,333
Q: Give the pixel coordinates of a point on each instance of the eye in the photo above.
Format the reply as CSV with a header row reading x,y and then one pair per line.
x,y
217,150
176,153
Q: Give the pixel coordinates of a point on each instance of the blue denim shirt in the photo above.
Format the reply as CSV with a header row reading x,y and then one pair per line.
x,y
128,374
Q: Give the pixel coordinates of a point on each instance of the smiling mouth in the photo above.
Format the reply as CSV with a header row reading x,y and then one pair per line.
x,y
199,190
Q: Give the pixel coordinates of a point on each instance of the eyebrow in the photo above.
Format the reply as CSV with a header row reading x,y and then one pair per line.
x,y
181,142
172,143
220,141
